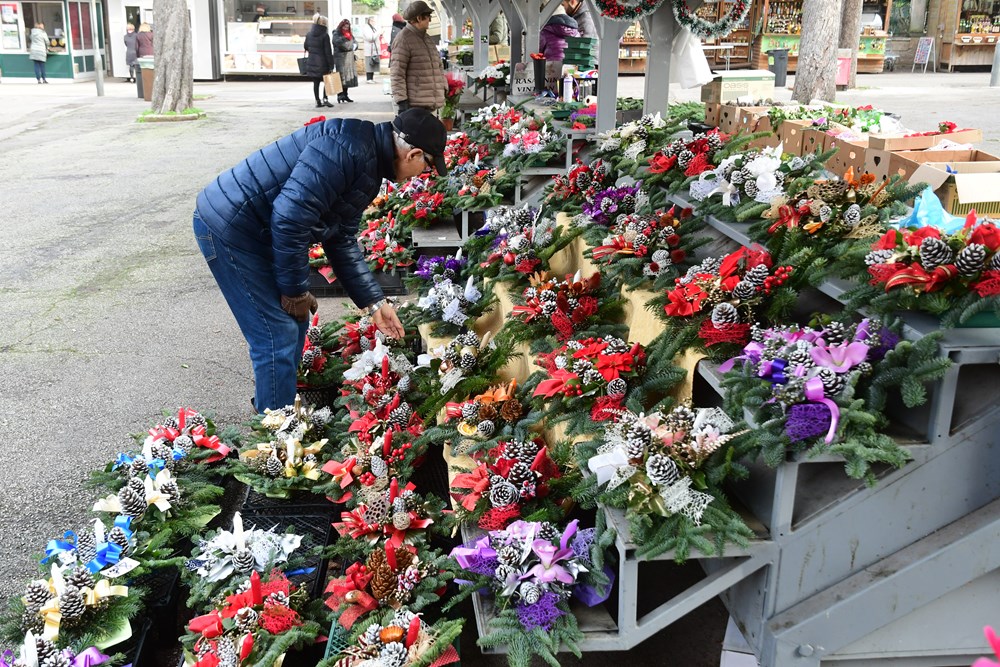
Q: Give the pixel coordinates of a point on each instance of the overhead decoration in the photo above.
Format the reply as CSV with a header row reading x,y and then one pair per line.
x,y
710,29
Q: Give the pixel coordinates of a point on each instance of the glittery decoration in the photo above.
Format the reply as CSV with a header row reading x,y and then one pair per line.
x,y
807,420
543,614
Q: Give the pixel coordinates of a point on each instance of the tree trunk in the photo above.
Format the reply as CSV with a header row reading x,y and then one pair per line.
x,y
816,72
850,35
173,86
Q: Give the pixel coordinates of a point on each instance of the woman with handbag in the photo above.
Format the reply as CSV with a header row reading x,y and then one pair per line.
x,y
371,37
344,47
319,57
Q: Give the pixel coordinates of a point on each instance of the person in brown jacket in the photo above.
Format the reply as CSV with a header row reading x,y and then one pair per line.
x,y
415,66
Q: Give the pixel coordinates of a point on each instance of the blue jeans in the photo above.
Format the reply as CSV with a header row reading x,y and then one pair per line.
x,y
39,70
248,283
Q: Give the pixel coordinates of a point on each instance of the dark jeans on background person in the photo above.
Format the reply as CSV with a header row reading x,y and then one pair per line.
x,y
133,71
317,84
39,70
247,282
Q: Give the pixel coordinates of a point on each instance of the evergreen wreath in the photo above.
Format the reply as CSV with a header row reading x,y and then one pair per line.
x,y
628,13
710,29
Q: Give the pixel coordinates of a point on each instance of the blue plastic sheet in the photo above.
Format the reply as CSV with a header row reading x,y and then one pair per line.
x,y
928,212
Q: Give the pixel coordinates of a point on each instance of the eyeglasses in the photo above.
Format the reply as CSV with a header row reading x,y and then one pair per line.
x,y
428,160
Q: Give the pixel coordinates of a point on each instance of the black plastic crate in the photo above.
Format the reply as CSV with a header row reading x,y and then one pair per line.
x,y
299,502
317,528
320,287
320,397
392,283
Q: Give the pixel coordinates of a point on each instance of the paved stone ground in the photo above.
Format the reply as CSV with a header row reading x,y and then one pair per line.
x,y
109,313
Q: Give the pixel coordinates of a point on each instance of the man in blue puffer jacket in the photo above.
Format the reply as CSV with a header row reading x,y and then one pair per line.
x,y
256,222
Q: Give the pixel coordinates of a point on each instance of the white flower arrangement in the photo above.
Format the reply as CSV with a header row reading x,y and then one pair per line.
x,y
243,551
449,301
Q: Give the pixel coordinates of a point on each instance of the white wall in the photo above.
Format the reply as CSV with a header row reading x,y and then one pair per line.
x,y
201,38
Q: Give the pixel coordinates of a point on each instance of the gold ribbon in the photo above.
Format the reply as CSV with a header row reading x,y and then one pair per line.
x,y
103,589
51,615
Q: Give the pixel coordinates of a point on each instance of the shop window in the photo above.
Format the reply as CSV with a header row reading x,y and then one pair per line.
x,y
50,14
79,23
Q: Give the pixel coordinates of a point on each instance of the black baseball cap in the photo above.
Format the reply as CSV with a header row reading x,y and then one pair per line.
x,y
421,129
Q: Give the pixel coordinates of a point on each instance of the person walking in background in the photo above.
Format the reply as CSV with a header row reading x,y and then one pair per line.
x,y
397,26
38,51
344,47
552,40
131,51
319,57
254,225
415,65
144,42
499,31
578,11
370,35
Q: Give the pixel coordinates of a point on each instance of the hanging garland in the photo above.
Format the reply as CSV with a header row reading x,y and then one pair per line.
x,y
709,29
628,13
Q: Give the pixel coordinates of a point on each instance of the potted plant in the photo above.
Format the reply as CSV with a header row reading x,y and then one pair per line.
x,y
455,88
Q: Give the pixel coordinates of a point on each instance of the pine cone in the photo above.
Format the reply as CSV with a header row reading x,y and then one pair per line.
x,y
509,554
725,313
184,443
467,361
365,343
171,490
196,420
378,466
995,262
583,180
81,578
45,649
171,422
934,252
510,410
617,387
246,619
970,259
521,450
485,428
593,376
756,275
32,621
243,561
523,216
833,383
86,546
750,188
393,655
309,357
404,384
684,158
852,216
133,501
71,604
628,202
315,335
530,592
744,290
400,416
503,493
163,451
878,257
274,467
55,660
549,532
520,474
736,177
834,333
117,536
635,449
36,594
801,358
661,470
138,468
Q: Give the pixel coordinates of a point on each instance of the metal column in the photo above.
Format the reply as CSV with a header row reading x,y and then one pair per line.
x,y
609,32
660,27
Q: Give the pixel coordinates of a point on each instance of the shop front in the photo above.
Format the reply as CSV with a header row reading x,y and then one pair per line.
x,y
71,38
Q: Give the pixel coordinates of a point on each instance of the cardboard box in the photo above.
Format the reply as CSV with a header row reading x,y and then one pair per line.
x,y
747,84
905,163
790,134
712,114
729,118
851,154
900,143
751,118
969,185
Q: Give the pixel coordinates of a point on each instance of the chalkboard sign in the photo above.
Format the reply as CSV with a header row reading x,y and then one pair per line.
x,y
923,53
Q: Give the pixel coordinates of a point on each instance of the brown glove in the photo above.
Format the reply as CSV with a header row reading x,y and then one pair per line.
x,y
299,306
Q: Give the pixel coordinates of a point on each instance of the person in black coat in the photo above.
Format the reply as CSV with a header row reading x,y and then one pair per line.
x,y
397,25
319,57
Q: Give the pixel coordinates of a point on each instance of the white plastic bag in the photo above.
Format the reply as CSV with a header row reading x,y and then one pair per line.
x,y
688,65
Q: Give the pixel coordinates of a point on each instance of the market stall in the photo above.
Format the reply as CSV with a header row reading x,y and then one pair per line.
x,y
71,40
969,32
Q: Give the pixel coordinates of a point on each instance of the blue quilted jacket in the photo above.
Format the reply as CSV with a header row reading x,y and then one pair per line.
x,y
309,187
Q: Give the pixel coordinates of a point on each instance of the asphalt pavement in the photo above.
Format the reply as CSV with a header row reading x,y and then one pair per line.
x,y
108,313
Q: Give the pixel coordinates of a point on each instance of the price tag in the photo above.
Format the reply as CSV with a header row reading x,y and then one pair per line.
x,y
522,86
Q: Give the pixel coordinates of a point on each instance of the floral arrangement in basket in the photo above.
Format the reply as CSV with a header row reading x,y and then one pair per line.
x,y
955,276
381,246
476,185
530,144
510,481
187,435
256,625
682,158
401,639
397,514
358,337
642,249
488,125
419,202
286,450
465,365
581,184
460,150
69,605
321,364
223,556
821,389
747,183
717,301
631,141
492,76
829,218
659,469
485,418
390,577
376,375
36,651
370,461
517,242
455,87
592,375
604,206
532,569
550,306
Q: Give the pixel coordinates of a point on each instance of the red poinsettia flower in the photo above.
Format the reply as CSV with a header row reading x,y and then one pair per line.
x,y
660,163
610,366
685,300
888,241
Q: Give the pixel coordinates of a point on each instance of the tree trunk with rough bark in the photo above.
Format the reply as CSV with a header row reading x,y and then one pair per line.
x,y
850,35
173,85
816,72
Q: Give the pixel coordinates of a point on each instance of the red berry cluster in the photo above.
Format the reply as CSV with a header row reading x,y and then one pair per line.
x,y
781,274
399,453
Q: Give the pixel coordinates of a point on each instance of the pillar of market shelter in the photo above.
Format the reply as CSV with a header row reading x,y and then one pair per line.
x,y
482,13
660,27
515,30
609,32
532,19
